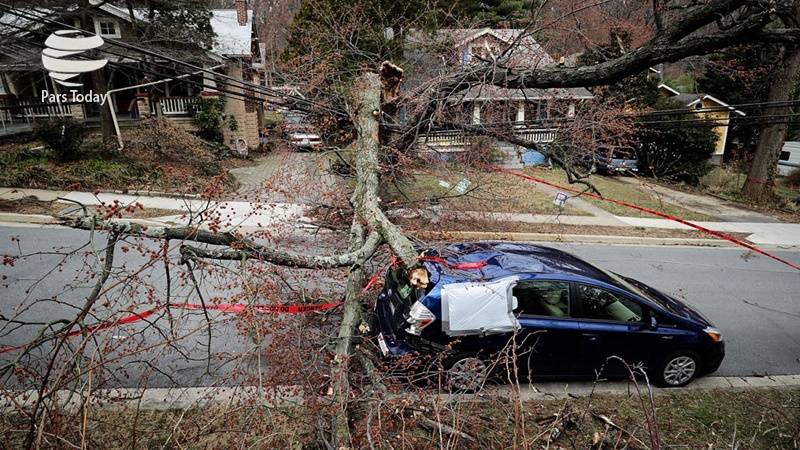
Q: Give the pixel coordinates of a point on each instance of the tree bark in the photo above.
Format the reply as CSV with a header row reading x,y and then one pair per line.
x,y
367,212
100,86
758,186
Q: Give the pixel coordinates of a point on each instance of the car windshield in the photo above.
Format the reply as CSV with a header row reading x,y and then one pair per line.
x,y
633,287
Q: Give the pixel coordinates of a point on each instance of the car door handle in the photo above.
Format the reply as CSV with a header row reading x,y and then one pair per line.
x,y
591,336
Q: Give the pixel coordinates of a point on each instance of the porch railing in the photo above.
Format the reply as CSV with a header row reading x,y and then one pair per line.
x,y
29,109
537,135
457,140
175,106
441,139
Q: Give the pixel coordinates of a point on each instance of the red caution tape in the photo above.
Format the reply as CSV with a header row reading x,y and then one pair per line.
x,y
751,180
655,213
233,308
459,266
263,309
101,326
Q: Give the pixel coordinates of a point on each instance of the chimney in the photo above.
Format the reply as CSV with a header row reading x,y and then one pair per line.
x,y
241,12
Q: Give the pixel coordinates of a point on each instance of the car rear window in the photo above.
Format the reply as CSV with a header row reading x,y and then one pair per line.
x,y
623,154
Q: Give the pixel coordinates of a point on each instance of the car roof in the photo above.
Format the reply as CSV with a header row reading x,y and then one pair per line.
x,y
501,259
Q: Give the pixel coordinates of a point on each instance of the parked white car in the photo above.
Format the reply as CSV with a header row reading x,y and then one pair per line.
x,y
790,158
305,138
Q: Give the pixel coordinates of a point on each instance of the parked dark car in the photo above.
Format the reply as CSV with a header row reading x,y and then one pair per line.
x,y
565,316
613,159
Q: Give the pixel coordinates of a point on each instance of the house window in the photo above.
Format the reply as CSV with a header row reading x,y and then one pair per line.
x,y
106,28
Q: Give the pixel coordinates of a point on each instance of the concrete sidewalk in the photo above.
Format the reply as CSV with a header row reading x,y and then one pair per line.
x,y
290,167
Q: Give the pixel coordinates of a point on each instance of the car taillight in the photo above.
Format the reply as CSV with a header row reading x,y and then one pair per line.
x,y
419,317
714,333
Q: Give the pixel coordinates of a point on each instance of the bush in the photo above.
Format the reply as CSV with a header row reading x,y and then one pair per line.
x,y
159,141
63,136
675,152
793,179
482,150
208,117
722,180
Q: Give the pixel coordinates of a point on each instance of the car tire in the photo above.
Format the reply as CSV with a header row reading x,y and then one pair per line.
x,y
465,372
677,370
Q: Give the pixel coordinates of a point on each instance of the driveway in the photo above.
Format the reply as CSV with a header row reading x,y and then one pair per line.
x,y
286,177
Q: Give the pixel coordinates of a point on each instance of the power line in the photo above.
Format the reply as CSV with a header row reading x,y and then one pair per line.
x,y
232,81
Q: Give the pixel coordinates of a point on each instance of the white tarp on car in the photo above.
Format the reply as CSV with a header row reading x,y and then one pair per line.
x,y
479,308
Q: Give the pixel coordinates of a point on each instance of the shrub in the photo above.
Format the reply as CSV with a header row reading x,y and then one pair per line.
x,y
63,136
158,140
208,117
675,152
482,150
721,180
793,179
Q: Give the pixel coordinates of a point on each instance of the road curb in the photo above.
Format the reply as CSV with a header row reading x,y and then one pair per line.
x,y
588,239
42,220
38,219
29,219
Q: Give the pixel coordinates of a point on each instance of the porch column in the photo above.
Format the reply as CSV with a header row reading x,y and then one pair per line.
x,y
476,113
143,104
77,110
5,100
521,111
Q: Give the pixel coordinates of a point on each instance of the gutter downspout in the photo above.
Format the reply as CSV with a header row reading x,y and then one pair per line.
x,y
114,113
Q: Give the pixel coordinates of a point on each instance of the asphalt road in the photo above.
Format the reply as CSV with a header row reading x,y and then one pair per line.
x,y
754,300
751,298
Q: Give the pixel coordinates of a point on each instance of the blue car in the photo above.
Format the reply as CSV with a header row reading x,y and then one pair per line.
x,y
498,308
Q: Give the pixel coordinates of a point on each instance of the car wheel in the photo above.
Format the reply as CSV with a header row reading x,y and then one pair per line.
x,y
465,372
677,369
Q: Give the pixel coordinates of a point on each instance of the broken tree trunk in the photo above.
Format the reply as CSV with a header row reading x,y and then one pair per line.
x,y
367,214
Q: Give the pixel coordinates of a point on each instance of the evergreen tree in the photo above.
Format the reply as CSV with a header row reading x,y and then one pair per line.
x,y
672,145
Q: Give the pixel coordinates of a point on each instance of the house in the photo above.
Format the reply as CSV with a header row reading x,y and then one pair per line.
x,y
707,108
531,113
139,83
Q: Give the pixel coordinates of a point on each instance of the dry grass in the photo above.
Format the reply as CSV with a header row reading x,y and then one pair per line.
x,y
488,192
612,188
756,419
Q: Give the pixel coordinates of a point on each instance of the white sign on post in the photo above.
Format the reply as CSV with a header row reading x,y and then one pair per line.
x,y
560,199
462,186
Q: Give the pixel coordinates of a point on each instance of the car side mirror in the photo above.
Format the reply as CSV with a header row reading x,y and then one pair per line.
x,y
653,323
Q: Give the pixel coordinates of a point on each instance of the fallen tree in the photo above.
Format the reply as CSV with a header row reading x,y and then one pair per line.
x,y
369,226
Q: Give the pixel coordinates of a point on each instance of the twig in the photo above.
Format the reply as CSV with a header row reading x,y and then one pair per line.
x,y
431,425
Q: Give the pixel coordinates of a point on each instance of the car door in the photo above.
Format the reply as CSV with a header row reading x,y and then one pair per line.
x,y
614,324
549,335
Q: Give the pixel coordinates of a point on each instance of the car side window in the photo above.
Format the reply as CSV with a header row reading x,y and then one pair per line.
x,y
542,298
604,304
